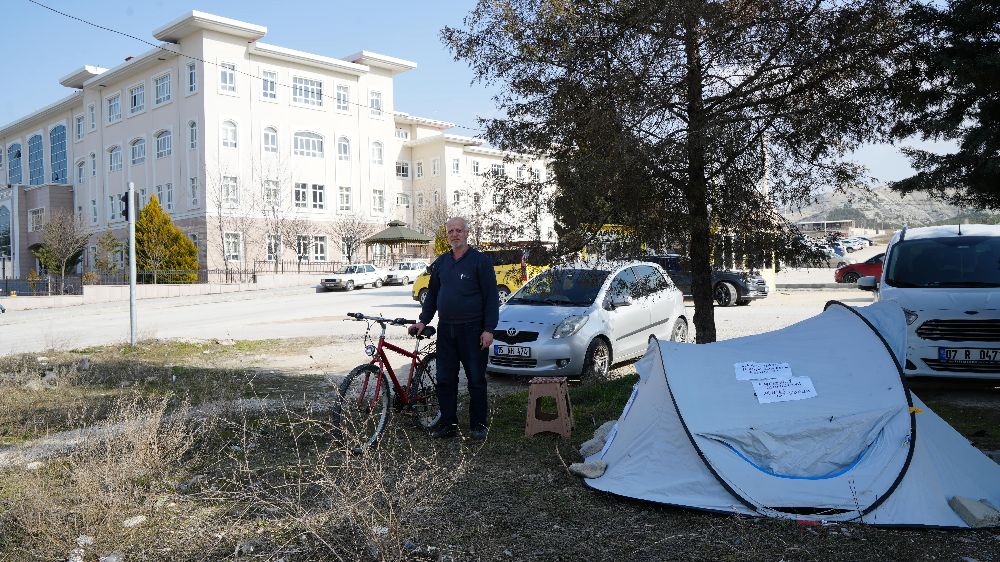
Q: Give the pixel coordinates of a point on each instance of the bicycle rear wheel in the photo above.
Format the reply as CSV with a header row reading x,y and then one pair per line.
x,y
361,411
423,400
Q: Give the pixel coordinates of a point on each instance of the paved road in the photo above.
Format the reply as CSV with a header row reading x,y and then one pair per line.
x,y
284,313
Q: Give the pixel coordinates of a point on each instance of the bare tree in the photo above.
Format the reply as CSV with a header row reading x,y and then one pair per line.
x,y
63,241
238,209
351,230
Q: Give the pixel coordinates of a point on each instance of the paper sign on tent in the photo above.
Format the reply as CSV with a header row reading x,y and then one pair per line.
x,y
783,390
751,371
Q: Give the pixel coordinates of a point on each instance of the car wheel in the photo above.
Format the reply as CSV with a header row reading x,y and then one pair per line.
x,y
422,296
597,362
680,331
503,292
850,250
725,294
851,277
349,286
378,283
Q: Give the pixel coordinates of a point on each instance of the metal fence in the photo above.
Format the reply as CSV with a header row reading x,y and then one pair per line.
x,y
176,276
306,266
43,286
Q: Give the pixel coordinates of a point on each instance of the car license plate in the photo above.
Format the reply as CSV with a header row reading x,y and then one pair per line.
x,y
512,350
968,355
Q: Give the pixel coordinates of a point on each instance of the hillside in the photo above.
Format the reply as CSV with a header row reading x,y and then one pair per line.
x,y
884,208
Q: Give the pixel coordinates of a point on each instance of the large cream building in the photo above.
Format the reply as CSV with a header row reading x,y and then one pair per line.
x,y
258,152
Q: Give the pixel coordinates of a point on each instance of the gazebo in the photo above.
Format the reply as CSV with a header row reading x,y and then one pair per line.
x,y
396,236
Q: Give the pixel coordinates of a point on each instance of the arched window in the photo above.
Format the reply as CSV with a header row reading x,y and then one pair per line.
x,y
81,172
377,153
308,144
114,159
343,148
5,232
229,134
36,166
93,164
270,140
14,163
57,154
192,135
164,143
137,151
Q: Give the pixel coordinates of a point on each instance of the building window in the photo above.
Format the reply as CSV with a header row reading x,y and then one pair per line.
x,y
319,248
111,208
307,144
301,195
231,190
457,198
194,240
93,211
228,134
403,200
343,148
114,108
378,201
270,140
475,199
375,104
434,198
192,135
136,98
435,166
402,169
343,97
536,174
78,128
497,170
318,197
57,154
344,201
420,169
475,167
456,167
36,219
192,75
233,245
159,194
81,172
272,193
169,191
14,163
162,87
402,134
137,151
420,200
93,116
268,85
307,92
193,189
302,247
520,172
273,247
377,152
163,145
36,165
227,77
142,197
93,164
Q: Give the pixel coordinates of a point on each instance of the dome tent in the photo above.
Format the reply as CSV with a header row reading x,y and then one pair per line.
x,y
845,440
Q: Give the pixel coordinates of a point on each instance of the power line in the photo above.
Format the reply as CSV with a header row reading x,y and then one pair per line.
x,y
203,61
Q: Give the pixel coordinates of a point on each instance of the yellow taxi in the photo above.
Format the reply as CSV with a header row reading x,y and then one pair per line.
x,y
513,269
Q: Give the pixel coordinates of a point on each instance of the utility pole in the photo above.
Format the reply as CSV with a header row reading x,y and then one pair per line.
x,y
130,210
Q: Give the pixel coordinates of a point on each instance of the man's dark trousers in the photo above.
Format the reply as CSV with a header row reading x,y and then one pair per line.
x,y
460,343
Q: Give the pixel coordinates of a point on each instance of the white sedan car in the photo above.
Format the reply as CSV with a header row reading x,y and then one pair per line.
x,y
354,275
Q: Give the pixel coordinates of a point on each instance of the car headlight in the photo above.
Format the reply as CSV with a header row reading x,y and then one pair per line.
x,y
911,316
569,326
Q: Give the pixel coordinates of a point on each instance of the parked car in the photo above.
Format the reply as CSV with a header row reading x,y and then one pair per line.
x,y
729,287
830,259
354,275
405,272
838,248
578,321
513,268
852,272
947,280
853,244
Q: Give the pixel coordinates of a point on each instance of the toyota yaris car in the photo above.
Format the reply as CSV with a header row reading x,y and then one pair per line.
x,y
578,321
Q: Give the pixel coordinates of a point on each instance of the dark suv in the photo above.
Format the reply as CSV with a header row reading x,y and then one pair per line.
x,y
728,287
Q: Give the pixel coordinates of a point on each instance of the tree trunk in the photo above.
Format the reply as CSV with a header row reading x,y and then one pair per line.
x,y
697,186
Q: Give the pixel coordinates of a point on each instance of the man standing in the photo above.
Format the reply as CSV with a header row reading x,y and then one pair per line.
x,y
463,292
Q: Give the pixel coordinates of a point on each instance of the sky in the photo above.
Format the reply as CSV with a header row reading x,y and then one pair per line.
x,y
41,46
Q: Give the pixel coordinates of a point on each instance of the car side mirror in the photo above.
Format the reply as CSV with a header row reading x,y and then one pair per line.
x,y
620,300
868,283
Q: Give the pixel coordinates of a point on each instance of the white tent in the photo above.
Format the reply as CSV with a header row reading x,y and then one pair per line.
x,y
834,435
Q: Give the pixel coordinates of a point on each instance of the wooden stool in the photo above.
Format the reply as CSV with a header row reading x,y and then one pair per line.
x,y
538,421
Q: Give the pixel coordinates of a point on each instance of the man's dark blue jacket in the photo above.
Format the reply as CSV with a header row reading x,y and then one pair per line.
x,y
463,291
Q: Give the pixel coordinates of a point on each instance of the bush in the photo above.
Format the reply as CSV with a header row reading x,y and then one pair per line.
x,y
91,278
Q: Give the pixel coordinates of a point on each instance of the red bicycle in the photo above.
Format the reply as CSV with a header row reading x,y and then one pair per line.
x,y
371,390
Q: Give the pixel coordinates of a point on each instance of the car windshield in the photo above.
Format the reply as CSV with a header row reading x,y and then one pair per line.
x,y
350,269
960,261
563,287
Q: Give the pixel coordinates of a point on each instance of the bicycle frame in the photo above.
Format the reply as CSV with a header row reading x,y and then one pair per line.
x,y
381,359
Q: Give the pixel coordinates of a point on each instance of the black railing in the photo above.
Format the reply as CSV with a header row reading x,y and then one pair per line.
x,y
175,276
42,286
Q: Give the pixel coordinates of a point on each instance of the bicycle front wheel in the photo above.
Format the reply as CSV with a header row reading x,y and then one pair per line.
x,y
361,411
423,400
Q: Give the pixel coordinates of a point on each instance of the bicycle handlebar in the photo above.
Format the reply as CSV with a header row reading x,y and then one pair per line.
x,y
382,319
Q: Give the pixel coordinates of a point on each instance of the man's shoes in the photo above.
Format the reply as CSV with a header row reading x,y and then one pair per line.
x,y
479,434
443,430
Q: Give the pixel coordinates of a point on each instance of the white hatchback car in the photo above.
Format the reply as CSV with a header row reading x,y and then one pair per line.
x,y
573,321
354,275
405,272
947,280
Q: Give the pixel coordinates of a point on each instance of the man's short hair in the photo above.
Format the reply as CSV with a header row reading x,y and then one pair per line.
x,y
465,223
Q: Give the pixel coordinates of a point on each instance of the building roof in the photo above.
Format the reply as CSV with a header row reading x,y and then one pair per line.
x,y
307,59
407,119
458,139
65,103
376,60
191,22
134,64
78,77
398,233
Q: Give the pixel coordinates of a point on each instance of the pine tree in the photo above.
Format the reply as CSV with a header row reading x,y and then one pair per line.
x,y
161,247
